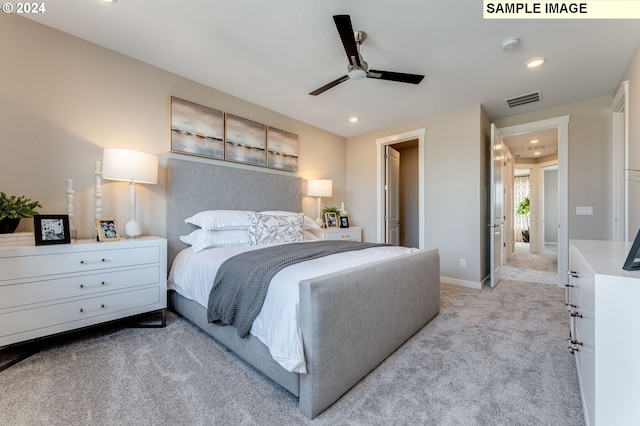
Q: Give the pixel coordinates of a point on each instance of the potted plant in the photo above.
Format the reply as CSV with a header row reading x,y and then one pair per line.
x,y
523,209
13,208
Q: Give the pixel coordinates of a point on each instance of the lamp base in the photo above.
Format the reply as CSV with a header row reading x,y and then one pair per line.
x,y
132,229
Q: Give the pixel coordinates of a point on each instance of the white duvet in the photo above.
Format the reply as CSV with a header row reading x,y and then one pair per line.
x,y
277,325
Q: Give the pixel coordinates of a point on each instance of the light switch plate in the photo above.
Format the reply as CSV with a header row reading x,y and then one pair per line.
x,y
584,211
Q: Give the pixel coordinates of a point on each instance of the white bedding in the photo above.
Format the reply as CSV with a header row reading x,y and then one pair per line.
x,y
192,276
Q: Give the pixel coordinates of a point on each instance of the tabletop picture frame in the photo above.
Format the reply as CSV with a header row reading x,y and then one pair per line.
x,y
107,229
331,219
633,258
344,221
51,229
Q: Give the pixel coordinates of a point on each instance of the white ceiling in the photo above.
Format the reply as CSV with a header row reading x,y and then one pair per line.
x,y
536,144
273,53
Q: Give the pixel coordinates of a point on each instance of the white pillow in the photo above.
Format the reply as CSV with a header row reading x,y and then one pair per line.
x,y
220,219
201,239
308,222
267,228
308,236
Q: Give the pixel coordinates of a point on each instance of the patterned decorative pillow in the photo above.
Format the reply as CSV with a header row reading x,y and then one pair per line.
x,y
267,228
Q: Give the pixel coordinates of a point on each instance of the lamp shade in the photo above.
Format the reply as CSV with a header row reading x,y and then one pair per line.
x,y
319,188
129,165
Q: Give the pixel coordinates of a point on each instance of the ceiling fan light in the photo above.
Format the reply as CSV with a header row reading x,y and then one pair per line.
x,y
357,74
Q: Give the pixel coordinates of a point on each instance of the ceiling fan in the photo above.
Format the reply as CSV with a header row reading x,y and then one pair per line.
x,y
358,68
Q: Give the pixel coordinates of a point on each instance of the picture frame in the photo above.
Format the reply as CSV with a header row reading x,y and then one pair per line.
x,y
245,141
107,229
196,129
632,263
282,150
331,220
51,229
344,222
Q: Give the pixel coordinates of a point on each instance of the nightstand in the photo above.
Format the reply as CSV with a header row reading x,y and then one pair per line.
x,y
56,288
353,233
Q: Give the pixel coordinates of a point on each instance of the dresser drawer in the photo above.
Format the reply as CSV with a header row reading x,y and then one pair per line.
x,y
89,260
73,286
70,313
344,234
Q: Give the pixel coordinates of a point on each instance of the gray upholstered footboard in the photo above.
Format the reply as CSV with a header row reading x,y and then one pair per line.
x,y
351,321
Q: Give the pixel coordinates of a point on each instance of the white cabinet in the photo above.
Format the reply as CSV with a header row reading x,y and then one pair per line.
x,y
353,233
52,289
603,300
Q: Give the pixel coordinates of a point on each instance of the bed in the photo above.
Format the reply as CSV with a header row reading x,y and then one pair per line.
x,y
384,303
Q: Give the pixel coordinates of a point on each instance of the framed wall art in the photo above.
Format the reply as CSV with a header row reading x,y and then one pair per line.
x,y
51,229
196,129
107,229
245,141
282,150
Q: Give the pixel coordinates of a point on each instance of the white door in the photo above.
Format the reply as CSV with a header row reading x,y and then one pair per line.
x,y
496,215
392,196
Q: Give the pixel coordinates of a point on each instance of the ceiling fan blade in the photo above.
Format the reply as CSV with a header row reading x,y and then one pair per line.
x,y
395,76
345,29
329,86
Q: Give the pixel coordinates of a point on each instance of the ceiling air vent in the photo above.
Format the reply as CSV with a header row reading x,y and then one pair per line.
x,y
535,147
524,99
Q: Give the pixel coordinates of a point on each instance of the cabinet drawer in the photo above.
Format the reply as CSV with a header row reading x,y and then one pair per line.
x,y
51,290
61,263
345,235
28,320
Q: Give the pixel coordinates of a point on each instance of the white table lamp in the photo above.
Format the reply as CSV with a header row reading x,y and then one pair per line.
x,y
133,167
319,188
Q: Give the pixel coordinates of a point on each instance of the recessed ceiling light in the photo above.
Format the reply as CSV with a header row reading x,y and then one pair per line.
x,y
534,141
536,153
353,119
109,1
535,62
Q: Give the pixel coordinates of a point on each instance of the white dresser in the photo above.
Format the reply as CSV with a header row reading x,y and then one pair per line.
x,y
51,289
353,233
605,331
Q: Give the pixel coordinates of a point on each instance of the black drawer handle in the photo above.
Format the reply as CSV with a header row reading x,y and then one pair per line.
x,y
83,310
93,285
84,262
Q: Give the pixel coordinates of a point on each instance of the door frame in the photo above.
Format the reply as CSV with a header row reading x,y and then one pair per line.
x,y
418,134
620,164
561,124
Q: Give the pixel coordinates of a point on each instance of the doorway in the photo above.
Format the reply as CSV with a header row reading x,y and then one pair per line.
x,y
416,207
559,126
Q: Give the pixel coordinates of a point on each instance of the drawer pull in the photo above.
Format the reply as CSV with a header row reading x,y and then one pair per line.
x,y
573,274
83,310
84,262
573,350
576,315
93,285
568,305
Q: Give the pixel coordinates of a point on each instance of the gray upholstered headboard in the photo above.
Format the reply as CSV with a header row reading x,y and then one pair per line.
x,y
194,186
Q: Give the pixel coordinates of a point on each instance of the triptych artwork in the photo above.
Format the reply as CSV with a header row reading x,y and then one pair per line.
x,y
207,132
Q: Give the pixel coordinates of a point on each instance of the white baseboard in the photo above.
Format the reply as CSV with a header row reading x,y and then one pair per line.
x,y
462,283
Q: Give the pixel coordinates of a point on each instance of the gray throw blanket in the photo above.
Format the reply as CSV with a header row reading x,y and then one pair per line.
x,y
242,281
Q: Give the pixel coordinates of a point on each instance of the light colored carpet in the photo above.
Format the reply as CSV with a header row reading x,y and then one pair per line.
x,y
525,266
491,357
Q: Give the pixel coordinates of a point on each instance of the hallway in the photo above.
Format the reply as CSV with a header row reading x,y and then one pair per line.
x,y
529,267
